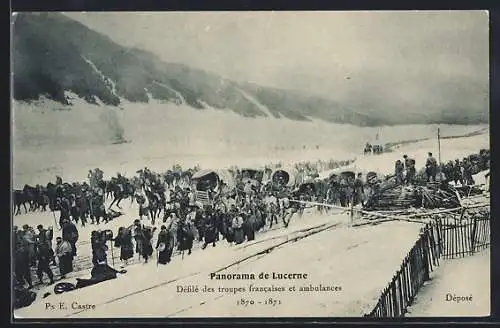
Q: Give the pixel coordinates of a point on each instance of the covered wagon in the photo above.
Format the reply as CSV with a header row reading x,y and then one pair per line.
x,y
208,184
284,177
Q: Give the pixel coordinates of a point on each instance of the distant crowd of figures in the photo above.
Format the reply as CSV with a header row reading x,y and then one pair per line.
x,y
458,171
373,149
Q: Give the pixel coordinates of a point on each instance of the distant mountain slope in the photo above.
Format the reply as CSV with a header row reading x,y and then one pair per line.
x,y
53,53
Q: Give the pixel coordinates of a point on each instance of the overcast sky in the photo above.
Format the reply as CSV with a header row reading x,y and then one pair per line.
x,y
407,55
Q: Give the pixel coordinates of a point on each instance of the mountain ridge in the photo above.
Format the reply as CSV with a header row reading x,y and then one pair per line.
x,y
53,53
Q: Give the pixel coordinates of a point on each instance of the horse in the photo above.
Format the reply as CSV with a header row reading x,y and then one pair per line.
x,y
155,205
120,191
20,198
51,192
30,193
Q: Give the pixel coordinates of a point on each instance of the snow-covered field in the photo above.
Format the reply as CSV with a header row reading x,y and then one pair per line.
x,y
358,260
361,261
466,277
68,143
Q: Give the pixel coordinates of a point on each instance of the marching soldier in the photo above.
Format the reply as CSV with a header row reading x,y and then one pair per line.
x,y
398,171
359,190
431,168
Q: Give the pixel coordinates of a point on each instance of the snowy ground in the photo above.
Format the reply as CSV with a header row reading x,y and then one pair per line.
x,y
359,260
465,277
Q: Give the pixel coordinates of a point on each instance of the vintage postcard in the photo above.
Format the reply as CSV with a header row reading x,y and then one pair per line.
x,y
250,164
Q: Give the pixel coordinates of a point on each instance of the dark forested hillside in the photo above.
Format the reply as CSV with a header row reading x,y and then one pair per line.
x,y
53,53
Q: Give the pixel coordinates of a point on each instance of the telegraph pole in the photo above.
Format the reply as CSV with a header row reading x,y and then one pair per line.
x,y
439,147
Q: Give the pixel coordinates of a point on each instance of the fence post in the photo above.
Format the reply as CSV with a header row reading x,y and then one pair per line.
x,y
473,237
425,253
439,231
351,214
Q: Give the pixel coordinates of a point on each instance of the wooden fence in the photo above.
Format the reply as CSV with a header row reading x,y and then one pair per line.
x,y
459,238
443,237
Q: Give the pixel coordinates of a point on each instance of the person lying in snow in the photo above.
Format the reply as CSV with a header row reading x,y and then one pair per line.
x,y
100,272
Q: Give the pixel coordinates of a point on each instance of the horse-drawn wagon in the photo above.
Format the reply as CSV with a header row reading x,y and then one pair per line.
x,y
284,177
208,184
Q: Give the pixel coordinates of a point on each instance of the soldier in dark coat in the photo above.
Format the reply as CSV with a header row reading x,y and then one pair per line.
x,y
29,242
411,171
147,247
124,241
431,168
70,233
99,248
237,228
232,213
98,209
199,223
162,246
83,207
272,213
21,259
186,234
64,207
457,172
343,185
406,162
467,172
138,236
210,228
74,211
448,171
45,237
332,195
143,207
398,171
44,257
359,191
250,225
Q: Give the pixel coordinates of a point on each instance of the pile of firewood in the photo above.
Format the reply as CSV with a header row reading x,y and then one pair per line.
x,y
467,191
403,197
435,197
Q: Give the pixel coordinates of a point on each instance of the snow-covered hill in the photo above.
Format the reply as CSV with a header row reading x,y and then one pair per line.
x,y
53,54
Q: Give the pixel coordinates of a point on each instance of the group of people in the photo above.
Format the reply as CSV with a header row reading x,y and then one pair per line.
x,y
185,223
405,171
373,149
180,221
452,171
34,249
